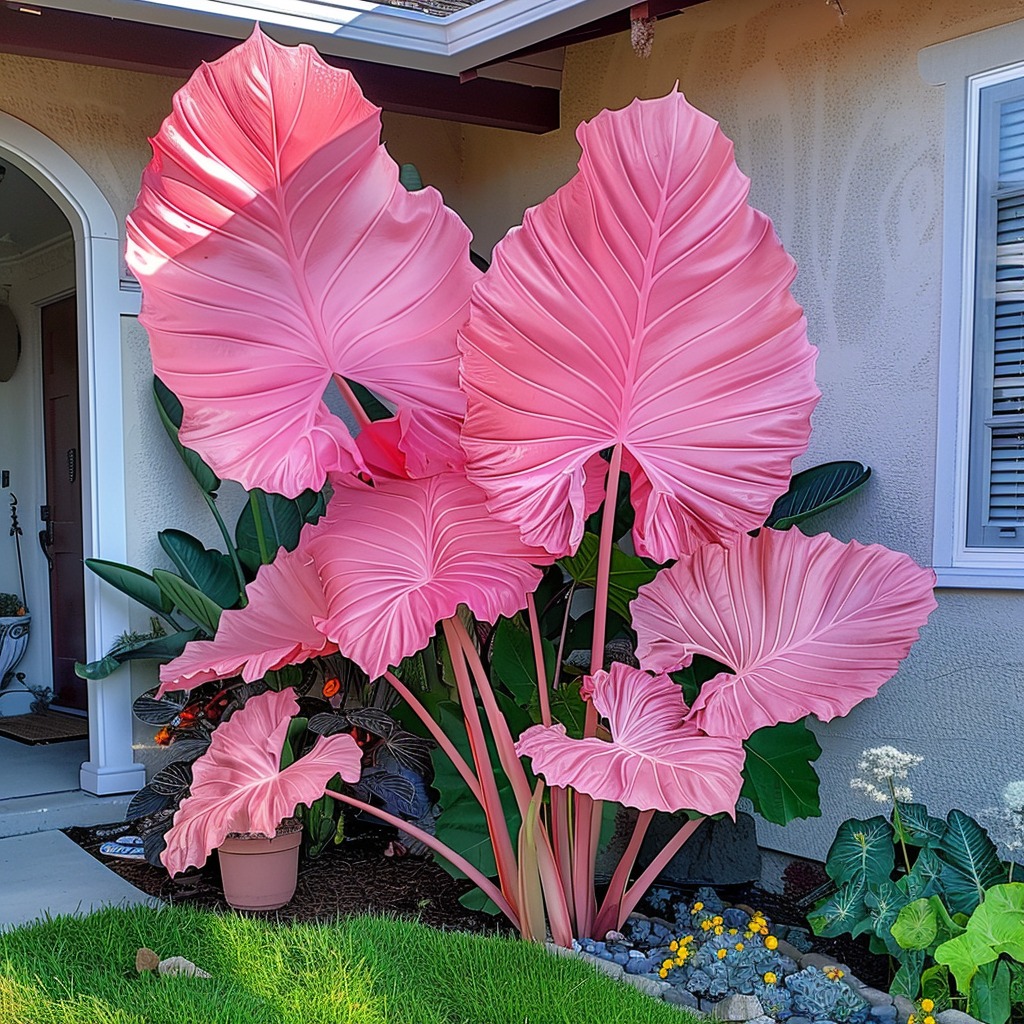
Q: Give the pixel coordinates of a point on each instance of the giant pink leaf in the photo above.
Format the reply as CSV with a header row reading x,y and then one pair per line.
x,y
274,629
238,784
643,304
396,558
655,761
809,625
276,248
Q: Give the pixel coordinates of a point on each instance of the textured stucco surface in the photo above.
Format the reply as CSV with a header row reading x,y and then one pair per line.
x,y
844,142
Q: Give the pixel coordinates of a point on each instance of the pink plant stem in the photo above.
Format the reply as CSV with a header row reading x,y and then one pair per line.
x,y
632,895
560,804
438,734
608,915
435,844
352,402
587,811
503,742
538,657
497,826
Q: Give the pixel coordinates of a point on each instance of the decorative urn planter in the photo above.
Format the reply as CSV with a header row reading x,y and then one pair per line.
x,y
14,631
260,873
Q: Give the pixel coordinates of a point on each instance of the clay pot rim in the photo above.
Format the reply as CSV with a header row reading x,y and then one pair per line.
x,y
287,827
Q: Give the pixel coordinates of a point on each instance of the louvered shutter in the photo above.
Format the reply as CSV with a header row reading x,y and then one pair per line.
x,y
997,473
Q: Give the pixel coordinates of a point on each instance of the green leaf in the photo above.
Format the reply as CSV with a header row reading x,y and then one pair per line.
x,y
973,863
206,570
990,993
862,853
372,405
628,573
925,878
138,585
918,827
696,674
568,708
778,777
840,913
815,490
282,520
170,412
513,661
935,986
907,981
194,603
916,925
161,648
884,905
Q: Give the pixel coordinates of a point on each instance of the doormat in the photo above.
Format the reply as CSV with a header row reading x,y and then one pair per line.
x,y
47,727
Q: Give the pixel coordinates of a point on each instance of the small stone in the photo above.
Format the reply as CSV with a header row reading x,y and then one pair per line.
x,y
955,1017
905,1009
620,958
785,948
765,1019
799,1020
179,965
146,960
874,996
635,954
800,938
680,997
614,936
642,966
884,1014
738,1008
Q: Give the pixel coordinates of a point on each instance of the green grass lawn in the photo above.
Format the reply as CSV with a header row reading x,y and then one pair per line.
x,y
357,971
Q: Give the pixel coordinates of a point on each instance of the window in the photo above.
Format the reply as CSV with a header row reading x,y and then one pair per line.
x,y
979,511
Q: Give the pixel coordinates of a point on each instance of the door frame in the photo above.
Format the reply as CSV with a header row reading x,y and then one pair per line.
x,y
102,301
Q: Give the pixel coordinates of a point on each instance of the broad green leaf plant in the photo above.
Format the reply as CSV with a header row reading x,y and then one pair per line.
x,y
633,354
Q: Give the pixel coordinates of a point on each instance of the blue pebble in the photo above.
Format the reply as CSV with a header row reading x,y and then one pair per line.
x,y
642,966
733,918
620,958
884,1014
635,954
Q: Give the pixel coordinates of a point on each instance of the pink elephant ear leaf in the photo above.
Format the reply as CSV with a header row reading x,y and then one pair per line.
x,y
809,625
397,558
644,304
276,249
654,761
273,630
238,785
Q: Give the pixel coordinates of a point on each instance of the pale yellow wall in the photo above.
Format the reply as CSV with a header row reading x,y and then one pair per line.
x,y
844,142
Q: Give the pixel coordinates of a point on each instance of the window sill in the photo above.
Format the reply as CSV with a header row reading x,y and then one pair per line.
x,y
1005,577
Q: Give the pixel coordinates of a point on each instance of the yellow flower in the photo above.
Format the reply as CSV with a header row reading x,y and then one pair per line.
x,y
733,931
673,945
771,942
719,929
748,934
721,954
686,940
763,930
833,973
663,973
770,978
716,920
698,906
929,1019
666,965
927,1005
912,1019
739,945
705,925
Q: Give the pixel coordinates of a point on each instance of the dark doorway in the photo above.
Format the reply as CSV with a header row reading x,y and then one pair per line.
x,y
62,513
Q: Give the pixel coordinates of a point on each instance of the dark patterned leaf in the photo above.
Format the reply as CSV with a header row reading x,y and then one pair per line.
x,y
158,711
815,490
146,801
972,861
173,779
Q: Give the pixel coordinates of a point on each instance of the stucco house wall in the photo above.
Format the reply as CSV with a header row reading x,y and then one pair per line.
x,y
844,142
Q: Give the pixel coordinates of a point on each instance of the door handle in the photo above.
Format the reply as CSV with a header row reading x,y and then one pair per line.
x,y
46,534
72,465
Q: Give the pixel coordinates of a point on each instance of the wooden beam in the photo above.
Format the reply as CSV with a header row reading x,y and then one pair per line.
x,y
155,49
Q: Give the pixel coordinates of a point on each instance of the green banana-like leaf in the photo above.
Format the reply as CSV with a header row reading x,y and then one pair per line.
x,y
281,520
194,603
514,664
138,585
973,864
206,570
990,993
907,981
862,853
161,648
372,405
815,490
778,777
628,573
169,409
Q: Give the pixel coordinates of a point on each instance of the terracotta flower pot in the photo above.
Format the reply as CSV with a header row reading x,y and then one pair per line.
x,y
260,873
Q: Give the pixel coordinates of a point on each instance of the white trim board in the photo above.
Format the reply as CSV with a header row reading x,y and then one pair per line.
x,y
363,30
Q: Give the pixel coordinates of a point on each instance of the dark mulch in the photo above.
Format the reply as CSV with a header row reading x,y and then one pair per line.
x,y
356,878
353,878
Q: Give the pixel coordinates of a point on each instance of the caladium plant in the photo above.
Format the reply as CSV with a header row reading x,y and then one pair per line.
x,y
639,325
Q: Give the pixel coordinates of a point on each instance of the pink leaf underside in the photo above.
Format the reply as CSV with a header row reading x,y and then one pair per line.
x,y
643,304
809,625
654,762
273,630
238,786
277,248
396,558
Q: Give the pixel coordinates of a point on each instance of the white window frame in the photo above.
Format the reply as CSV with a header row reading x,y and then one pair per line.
x,y
965,66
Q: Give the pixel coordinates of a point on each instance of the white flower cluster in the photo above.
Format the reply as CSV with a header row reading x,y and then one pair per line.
x,y
881,769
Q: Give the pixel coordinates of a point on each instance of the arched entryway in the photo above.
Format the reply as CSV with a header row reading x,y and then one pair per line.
x,y
101,301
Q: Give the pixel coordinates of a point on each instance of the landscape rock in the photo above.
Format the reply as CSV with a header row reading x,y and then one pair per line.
x,y
785,948
680,997
883,1014
146,960
874,996
738,1007
955,1017
643,966
179,965
905,1009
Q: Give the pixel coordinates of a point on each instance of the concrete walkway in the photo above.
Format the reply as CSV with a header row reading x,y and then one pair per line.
x,y
45,873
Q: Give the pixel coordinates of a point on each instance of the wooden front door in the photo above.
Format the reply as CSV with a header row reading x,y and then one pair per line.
x,y
62,529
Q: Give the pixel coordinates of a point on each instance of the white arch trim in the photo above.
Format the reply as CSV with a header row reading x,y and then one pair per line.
x,y
101,303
